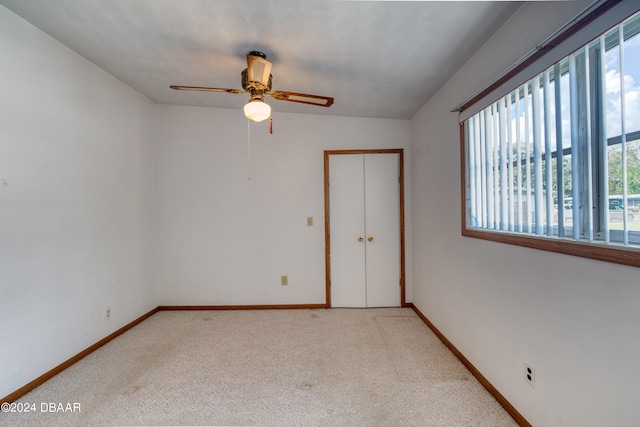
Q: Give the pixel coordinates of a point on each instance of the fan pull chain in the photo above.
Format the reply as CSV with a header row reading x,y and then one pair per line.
x,y
271,125
249,149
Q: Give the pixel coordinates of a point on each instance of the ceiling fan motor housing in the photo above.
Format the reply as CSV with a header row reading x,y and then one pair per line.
x,y
255,86
258,69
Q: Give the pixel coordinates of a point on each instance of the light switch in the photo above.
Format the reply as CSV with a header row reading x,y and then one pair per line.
x,y
310,221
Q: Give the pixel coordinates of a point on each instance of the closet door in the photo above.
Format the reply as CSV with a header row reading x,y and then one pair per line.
x,y
348,274
364,230
382,225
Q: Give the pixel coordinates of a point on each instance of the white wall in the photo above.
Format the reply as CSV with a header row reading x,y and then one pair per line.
x,y
575,320
77,152
225,239
99,211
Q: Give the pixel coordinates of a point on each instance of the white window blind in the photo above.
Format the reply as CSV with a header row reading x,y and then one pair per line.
x,y
559,155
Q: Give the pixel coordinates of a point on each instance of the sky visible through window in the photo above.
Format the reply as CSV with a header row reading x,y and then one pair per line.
x,y
631,83
612,73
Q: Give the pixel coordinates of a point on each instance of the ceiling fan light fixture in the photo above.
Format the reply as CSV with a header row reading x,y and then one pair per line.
x,y
257,110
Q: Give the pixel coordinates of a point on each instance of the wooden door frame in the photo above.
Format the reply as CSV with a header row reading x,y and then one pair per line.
x,y
327,219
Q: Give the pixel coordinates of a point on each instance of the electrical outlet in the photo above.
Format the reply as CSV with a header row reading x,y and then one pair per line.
x,y
107,313
530,374
284,280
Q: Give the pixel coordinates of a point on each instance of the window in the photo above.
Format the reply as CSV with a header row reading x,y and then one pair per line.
x,y
555,163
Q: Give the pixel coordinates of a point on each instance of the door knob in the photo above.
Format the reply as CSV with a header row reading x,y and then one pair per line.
x,y
360,238
370,238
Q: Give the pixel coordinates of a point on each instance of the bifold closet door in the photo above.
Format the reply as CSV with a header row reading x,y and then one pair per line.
x,y
382,225
346,195
364,230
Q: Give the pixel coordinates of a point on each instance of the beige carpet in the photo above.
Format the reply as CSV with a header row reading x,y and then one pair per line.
x,y
416,353
351,367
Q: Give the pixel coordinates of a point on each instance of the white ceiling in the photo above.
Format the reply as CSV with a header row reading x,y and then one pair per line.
x,y
376,58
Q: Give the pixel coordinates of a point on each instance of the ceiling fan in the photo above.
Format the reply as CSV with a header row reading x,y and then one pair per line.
x,y
256,81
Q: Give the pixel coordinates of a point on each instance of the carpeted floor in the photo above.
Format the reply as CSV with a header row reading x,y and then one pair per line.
x,y
351,367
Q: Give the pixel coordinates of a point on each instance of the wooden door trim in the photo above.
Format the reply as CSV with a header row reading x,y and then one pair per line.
x,y
327,219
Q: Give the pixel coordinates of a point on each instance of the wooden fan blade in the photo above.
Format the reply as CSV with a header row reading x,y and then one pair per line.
x,y
322,101
206,89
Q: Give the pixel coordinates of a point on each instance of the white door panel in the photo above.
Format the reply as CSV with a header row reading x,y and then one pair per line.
x,y
346,215
382,224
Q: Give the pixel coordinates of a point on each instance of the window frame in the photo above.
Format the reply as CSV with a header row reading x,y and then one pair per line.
x,y
598,250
